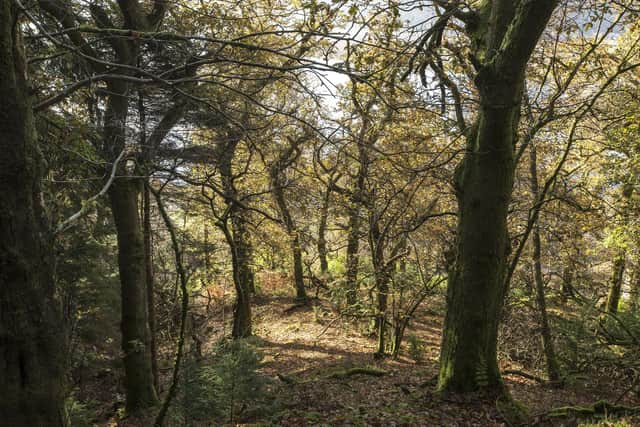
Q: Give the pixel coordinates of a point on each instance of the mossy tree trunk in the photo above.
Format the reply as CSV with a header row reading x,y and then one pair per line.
x,y
124,196
553,370
504,33
124,193
615,283
238,241
32,338
620,256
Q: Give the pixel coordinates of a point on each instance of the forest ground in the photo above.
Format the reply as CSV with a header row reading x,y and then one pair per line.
x,y
308,349
299,345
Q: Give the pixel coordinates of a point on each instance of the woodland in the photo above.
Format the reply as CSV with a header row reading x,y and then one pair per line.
x,y
319,212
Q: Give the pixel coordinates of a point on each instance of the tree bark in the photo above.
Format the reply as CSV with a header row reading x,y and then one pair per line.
x,y
322,233
382,281
615,285
32,338
278,185
136,338
124,196
151,308
237,239
553,371
503,39
566,288
353,258
620,257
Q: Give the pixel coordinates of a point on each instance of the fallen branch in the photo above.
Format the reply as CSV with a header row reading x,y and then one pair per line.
x,y
302,304
524,375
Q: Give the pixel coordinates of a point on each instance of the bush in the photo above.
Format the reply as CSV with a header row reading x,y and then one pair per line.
x,y
416,347
225,386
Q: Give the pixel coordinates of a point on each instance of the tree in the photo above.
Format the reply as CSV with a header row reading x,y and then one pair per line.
x,y
286,157
503,36
32,342
126,188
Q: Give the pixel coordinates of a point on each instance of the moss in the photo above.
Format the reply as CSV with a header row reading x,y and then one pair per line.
x,y
376,372
599,408
514,412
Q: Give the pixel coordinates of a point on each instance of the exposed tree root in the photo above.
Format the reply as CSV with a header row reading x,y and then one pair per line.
x,y
357,371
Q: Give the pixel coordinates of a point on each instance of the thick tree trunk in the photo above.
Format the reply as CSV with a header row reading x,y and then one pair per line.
x,y
32,341
553,371
136,339
504,35
242,326
124,196
468,359
244,251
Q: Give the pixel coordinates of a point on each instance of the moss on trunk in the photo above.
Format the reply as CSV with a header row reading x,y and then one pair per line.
x,y
32,338
503,39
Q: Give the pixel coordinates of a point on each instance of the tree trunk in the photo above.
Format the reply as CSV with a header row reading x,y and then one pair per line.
x,y
124,196
292,231
242,326
322,233
353,259
503,39
239,246
566,289
620,258
136,339
244,250
382,281
553,370
615,286
298,272
32,338
476,288
151,308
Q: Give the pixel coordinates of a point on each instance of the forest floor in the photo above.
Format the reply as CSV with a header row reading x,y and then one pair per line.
x,y
309,350
306,345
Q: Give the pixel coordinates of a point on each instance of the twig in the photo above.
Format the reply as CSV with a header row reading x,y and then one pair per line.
x,y
88,204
